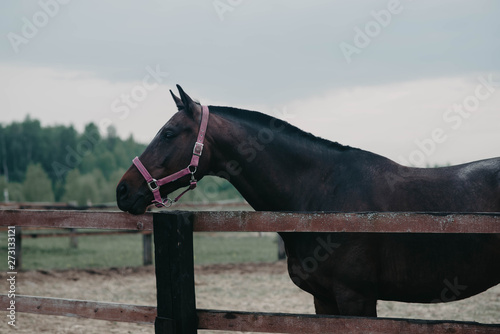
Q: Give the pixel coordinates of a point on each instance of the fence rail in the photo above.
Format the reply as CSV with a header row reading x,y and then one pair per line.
x,y
76,219
248,221
82,309
179,313
118,222
310,323
243,321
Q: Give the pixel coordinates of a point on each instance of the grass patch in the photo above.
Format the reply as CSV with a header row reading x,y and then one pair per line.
x,y
227,247
92,252
126,250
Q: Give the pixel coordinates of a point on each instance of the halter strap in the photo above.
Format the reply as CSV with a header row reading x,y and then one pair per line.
x,y
154,185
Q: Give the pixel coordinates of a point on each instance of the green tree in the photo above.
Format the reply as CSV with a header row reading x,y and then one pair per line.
x,y
4,189
112,137
104,192
37,186
15,190
106,163
91,133
89,163
116,176
60,150
82,189
89,190
109,194
71,187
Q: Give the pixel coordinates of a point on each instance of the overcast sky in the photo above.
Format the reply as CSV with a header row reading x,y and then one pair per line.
x,y
416,81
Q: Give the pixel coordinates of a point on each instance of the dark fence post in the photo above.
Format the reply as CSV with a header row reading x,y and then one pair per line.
x,y
173,237
73,240
147,249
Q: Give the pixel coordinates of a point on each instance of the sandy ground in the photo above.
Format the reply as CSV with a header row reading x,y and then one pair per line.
x,y
244,287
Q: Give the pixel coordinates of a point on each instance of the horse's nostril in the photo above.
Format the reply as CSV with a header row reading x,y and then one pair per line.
x,y
121,190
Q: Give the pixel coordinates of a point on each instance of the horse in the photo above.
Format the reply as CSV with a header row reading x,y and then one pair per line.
x,y
278,167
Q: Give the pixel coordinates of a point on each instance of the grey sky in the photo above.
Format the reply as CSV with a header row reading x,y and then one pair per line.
x,y
257,54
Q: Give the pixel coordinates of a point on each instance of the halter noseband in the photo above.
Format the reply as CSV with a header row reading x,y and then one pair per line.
x,y
154,185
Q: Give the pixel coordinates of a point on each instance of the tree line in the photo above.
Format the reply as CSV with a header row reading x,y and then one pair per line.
x,y
59,164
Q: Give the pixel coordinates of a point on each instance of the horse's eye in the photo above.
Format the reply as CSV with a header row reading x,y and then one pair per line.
x,y
168,134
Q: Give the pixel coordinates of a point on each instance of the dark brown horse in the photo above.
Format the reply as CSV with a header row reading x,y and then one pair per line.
x,y
277,167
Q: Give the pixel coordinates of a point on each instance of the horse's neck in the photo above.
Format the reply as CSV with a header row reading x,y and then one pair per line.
x,y
272,171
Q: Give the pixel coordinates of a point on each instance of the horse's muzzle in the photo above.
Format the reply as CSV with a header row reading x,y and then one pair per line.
x,y
127,203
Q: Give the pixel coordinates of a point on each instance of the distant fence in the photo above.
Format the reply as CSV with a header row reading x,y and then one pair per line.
x,y
227,204
176,312
53,206
71,233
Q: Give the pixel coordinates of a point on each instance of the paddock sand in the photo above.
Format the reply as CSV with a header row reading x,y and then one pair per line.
x,y
244,287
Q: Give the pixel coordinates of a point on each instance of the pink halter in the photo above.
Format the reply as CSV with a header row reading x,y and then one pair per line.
x,y
154,185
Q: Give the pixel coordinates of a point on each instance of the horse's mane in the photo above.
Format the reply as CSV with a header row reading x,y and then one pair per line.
x,y
263,120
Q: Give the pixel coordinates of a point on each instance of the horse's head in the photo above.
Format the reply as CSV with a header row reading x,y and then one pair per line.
x,y
168,158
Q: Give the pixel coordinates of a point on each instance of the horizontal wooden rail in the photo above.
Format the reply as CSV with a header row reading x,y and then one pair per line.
x,y
392,222
248,221
311,323
76,219
244,321
32,235
81,309
54,206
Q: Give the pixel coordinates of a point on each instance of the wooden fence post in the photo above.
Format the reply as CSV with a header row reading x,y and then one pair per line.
x,y
147,249
173,237
73,240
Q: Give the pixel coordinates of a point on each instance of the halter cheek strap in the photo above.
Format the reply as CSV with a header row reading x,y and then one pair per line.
x,y
154,185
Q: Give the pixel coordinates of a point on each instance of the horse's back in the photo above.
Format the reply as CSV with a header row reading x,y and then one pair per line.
x,y
480,184
470,187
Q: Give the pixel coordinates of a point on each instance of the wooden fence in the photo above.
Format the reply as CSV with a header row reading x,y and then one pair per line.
x,y
71,233
176,312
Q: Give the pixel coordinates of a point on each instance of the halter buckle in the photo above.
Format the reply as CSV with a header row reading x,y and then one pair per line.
x,y
198,149
156,186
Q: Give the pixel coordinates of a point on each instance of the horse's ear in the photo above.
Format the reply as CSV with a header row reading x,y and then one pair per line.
x,y
190,107
178,102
